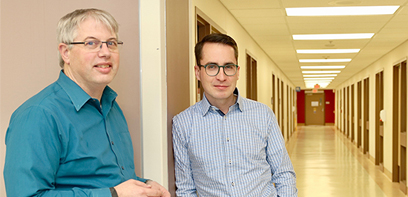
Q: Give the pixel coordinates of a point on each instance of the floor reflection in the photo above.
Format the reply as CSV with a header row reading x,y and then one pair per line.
x,y
327,164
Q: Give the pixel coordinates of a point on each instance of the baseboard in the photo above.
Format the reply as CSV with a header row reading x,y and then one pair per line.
x,y
388,173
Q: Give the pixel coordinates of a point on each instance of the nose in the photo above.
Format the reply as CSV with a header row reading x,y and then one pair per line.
x,y
221,75
104,50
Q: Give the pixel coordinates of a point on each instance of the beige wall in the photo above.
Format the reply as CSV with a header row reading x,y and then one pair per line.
x,y
29,59
178,48
386,64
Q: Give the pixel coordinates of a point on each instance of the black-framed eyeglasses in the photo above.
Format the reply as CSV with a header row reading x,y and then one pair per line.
x,y
95,45
213,69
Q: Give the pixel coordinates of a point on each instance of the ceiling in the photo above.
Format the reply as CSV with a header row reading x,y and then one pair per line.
x,y
267,23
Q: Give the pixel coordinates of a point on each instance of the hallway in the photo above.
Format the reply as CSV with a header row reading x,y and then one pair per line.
x,y
328,164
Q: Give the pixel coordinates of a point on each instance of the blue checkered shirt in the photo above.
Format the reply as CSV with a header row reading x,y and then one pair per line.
x,y
241,153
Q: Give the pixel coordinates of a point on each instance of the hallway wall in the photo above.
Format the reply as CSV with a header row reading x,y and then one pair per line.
x,y
385,64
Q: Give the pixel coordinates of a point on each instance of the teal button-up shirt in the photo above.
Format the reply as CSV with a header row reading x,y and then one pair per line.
x,y
62,142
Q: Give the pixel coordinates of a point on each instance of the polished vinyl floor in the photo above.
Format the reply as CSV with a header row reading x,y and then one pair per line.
x,y
327,164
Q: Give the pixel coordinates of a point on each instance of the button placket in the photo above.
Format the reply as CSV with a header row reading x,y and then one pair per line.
x,y
229,150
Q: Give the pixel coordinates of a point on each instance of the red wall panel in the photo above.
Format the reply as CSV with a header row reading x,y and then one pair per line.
x,y
300,106
329,108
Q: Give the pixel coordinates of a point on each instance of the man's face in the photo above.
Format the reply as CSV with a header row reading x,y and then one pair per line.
x,y
92,70
218,88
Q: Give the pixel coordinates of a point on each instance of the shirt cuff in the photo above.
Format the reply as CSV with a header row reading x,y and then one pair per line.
x,y
113,192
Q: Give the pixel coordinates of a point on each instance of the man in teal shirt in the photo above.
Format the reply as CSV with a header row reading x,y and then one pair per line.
x,y
72,139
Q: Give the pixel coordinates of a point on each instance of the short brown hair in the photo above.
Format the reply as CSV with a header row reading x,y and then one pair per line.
x,y
215,38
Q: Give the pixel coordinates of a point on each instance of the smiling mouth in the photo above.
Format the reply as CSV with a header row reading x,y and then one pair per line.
x,y
221,86
102,66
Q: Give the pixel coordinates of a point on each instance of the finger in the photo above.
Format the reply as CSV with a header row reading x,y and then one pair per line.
x,y
153,192
166,194
139,183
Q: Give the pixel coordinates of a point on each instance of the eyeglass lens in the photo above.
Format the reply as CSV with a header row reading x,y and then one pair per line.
x,y
97,45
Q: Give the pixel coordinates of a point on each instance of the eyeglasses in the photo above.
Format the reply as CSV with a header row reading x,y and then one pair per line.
x,y
213,69
96,45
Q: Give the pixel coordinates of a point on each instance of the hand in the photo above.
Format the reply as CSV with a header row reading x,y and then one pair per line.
x,y
157,186
133,188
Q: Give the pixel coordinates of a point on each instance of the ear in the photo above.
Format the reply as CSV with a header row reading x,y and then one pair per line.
x,y
197,72
64,52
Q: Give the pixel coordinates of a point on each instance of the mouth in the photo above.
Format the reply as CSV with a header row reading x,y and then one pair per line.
x,y
103,66
221,86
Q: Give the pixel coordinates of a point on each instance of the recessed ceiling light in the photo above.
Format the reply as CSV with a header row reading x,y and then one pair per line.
x,y
332,36
341,11
324,60
322,67
317,81
320,71
328,50
319,78
329,75
313,83
345,2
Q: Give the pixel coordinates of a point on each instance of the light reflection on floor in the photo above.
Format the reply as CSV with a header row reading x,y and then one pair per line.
x,y
327,164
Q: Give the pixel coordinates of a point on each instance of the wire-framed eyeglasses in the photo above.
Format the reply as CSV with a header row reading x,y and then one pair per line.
x,y
213,69
95,45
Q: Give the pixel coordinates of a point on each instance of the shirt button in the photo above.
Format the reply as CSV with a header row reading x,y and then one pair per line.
x,y
112,143
233,184
123,168
227,139
229,162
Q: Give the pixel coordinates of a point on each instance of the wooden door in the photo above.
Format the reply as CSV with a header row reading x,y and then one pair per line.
x,y
379,128
314,109
366,124
359,120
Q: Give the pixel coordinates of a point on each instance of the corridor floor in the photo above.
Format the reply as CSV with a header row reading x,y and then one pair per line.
x,y
327,164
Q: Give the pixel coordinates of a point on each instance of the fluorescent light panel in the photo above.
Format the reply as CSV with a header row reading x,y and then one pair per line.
x,y
327,75
342,11
328,51
332,36
321,72
318,81
324,60
322,85
322,67
314,79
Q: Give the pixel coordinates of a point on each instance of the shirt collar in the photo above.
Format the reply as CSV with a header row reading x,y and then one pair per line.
x,y
78,96
206,106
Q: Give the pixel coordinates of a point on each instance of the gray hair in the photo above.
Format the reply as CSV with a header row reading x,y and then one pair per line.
x,y
67,29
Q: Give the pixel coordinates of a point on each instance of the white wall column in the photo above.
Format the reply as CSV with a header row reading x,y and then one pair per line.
x,y
154,91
